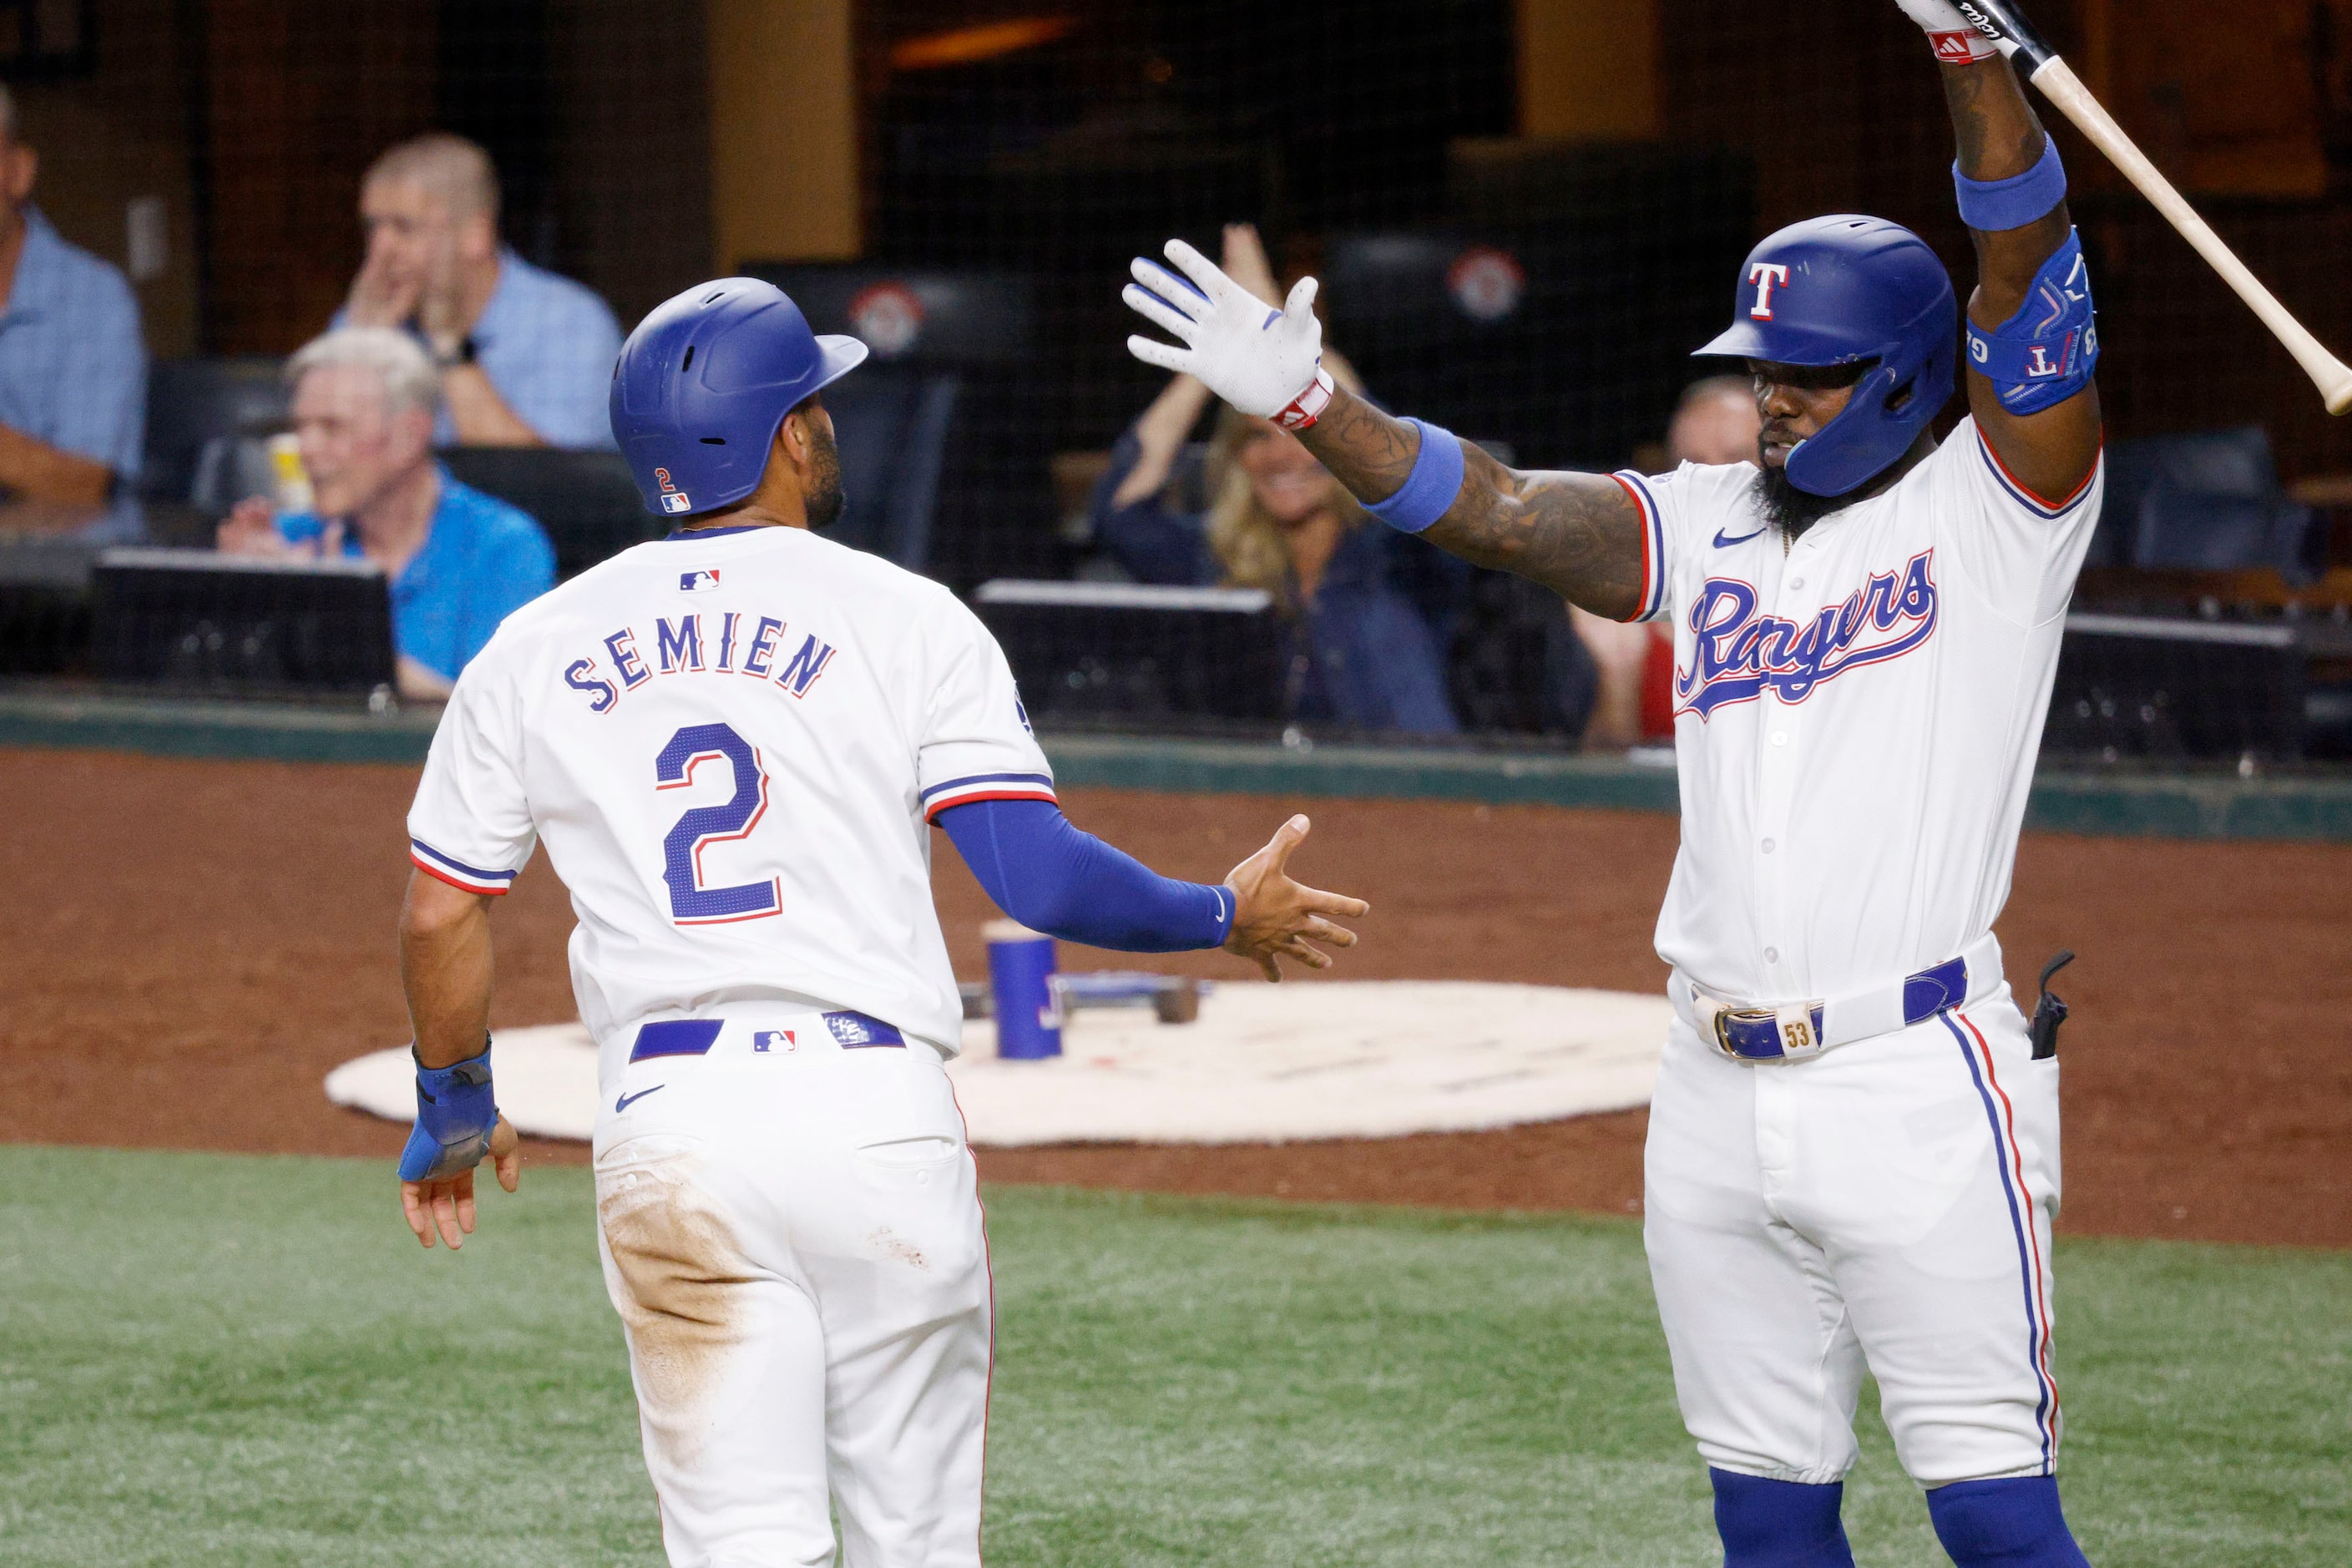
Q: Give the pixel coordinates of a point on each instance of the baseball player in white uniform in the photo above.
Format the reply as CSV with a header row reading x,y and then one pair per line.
x,y
1853,1158
732,743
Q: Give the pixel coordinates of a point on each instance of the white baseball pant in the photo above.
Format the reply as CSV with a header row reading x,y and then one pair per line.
x,y
1884,1205
792,1238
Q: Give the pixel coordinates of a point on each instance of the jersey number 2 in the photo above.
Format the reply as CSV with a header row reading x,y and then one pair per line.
x,y
691,903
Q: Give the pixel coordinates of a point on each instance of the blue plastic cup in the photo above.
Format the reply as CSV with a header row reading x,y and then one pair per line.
x,y
1028,1006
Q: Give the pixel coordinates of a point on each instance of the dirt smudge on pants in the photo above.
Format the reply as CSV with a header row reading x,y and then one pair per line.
x,y
681,1286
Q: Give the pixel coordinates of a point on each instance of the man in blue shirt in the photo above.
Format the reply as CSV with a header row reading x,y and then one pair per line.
x,y
73,371
525,357
459,561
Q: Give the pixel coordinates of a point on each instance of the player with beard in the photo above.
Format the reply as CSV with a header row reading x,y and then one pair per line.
x,y
1852,1154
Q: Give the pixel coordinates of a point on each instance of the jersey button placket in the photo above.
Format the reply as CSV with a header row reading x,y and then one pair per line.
x,y
1780,732
1777,768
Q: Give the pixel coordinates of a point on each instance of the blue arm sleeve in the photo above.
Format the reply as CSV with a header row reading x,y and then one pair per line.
x,y
1054,879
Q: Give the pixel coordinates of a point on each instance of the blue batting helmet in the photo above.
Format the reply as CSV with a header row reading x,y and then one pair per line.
x,y
1840,290
703,383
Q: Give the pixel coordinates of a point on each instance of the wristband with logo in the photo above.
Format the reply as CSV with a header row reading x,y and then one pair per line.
x,y
1307,406
1963,46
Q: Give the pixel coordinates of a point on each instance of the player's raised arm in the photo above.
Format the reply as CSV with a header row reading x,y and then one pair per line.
x,y
2031,340
1579,535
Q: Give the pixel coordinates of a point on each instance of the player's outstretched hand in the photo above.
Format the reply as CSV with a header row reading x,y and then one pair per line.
x,y
1260,360
1274,916
447,1205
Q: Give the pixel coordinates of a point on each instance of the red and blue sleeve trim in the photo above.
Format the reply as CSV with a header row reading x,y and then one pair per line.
x,y
986,786
457,873
1653,544
2025,497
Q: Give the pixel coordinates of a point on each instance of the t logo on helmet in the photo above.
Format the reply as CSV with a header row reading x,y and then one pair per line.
x,y
1764,275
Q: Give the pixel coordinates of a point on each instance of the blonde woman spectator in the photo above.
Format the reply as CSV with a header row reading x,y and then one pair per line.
x,y
1362,656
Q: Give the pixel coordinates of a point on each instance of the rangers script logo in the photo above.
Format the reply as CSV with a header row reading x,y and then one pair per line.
x,y
1740,654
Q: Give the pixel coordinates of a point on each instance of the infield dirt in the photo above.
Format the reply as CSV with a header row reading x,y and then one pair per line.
x,y
197,942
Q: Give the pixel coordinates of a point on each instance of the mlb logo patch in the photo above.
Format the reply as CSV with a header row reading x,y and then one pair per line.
x,y
698,581
766,1041
675,502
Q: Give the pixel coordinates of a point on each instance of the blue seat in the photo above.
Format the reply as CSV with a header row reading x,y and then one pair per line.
x,y
938,469
2206,500
196,404
891,422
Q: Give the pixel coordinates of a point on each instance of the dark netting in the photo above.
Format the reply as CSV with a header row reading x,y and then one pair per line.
x,y
1497,256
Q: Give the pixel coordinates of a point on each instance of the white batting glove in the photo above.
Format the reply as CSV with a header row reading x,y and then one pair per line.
x,y
1956,39
1263,361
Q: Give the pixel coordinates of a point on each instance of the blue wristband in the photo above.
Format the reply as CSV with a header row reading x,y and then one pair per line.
x,y
1990,205
1430,488
455,1113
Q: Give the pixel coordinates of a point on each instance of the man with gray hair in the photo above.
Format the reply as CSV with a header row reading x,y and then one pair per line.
x,y
525,357
459,562
73,371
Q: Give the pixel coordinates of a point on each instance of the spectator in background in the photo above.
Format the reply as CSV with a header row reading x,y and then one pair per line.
x,y
459,562
73,371
1263,513
1714,423
1361,655
525,357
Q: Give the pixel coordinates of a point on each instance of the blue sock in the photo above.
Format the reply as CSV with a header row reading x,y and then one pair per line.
x,y
2011,1524
1779,1524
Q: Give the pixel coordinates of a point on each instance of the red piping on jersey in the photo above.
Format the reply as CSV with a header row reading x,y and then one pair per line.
x,y
2035,496
438,875
933,815
1649,568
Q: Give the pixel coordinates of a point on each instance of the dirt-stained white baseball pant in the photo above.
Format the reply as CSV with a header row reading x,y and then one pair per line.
x,y
791,1234
1887,1205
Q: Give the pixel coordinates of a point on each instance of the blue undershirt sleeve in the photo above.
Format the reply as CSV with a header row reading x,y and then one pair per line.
x,y
1051,877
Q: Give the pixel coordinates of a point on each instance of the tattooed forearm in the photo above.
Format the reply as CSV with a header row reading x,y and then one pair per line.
x,y
1365,449
1998,133
1577,534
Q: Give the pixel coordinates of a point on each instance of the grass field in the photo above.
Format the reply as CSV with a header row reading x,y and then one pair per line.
x,y
221,1360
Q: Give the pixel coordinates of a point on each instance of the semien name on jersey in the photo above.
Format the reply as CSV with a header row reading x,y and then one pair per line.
x,y
718,642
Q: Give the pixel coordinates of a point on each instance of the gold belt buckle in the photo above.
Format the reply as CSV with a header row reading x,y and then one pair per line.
x,y
1723,1018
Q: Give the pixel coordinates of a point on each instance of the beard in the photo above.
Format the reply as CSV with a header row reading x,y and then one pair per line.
x,y
1787,508
824,499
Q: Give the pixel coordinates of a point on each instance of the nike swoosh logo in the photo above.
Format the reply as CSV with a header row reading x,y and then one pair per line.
x,y
1723,543
626,1101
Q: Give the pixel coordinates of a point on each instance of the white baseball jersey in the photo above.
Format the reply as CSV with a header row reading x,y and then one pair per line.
x,y
731,743
1855,717
1857,720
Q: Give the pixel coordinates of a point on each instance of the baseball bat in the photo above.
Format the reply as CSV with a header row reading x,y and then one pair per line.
x,y
2003,20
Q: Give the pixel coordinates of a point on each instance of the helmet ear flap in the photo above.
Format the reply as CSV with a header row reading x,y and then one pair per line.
x,y
1833,462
